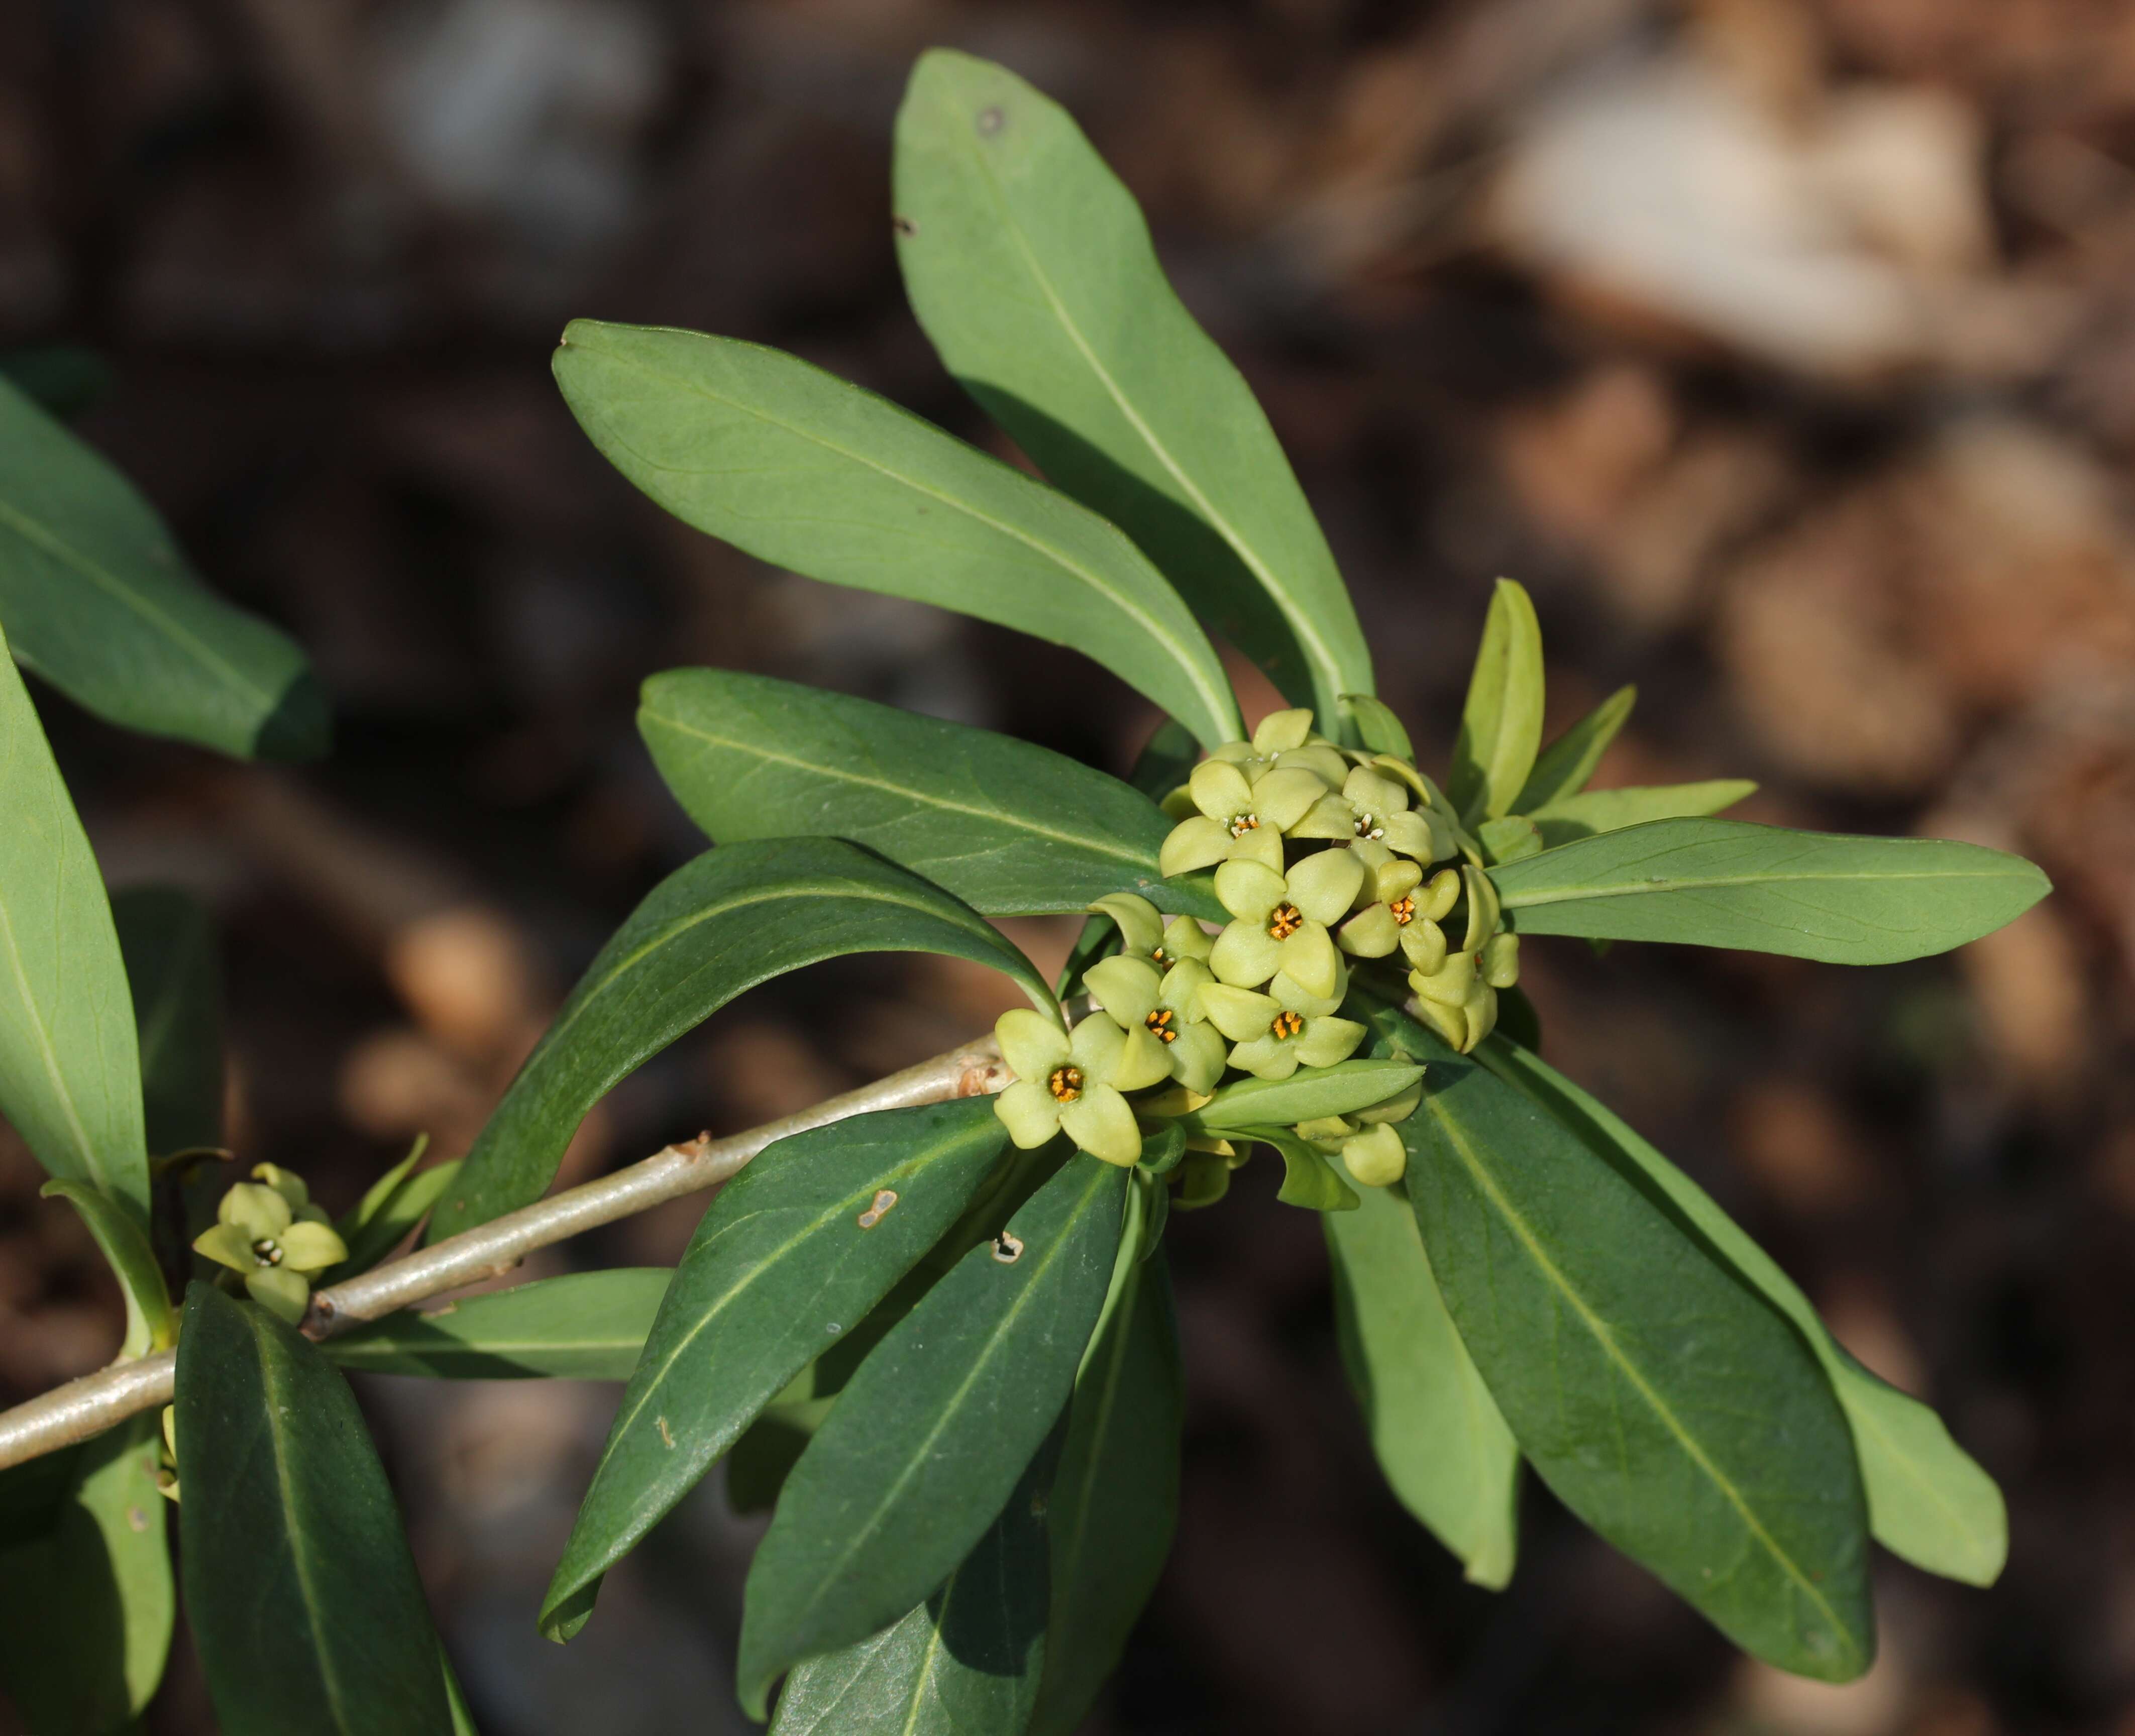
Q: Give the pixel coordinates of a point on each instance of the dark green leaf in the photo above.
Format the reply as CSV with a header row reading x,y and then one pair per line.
x,y
1610,810
98,600
382,1224
1808,895
1377,725
796,1250
1009,828
796,467
1568,762
1439,1435
759,1462
585,1326
931,1435
151,1322
70,1066
1927,1500
86,1605
1162,1148
302,1594
1669,1406
168,941
1031,267
1307,1094
1166,762
734,917
1501,724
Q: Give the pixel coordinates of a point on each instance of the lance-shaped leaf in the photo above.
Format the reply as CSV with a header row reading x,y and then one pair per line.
x,y
1011,829
1808,895
586,1326
1666,1404
86,1600
151,1322
796,467
1928,1500
99,601
69,1067
1568,762
1580,816
1438,1434
931,1434
795,1251
1115,1499
390,1210
168,941
301,1591
1501,724
1030,266
1308,1094
965,1661
734,917
1377,728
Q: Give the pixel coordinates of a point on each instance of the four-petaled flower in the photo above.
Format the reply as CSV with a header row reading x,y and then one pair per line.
x,y
1280,1032
1374,808
1144,933
1169,1008
1073,1084
1240,819
1282,922
270,1233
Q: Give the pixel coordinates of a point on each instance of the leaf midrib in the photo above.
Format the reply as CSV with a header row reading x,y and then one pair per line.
x,y
1517,900
314,1605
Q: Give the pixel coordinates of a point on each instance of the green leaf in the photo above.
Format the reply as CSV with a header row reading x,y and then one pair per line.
x,y
1808,895
734,917
1501,724
86,1605
759,1462
801,468
1610,810
1666,1404
298,1583
1115,1499
69,1068
151,1322
1031,267
99,601
585,1326
1377,725
1307,1094
1927,1500
64,379
928,1439
1165,764
381,1225
1309,1180
1568,762
965,1661
1439,1437
463,1724
796,1250
1011,829
167,940
1508,838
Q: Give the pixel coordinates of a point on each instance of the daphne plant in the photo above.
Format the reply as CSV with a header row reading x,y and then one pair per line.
x,y
935,1338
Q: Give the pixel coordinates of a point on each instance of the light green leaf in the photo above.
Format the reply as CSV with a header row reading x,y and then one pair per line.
x,y
1011,829
98,600
798,468
151,1322
303,1596
1377,728
1501,724
463,1724
87,1602
1927,1500
1808,895
933,1433
1307,1094
1508,838
168,941
1669,1407
1568,762
69,1068
1310,1181
734,917
1438,1434
1115,1500
965,1661
794,1252
585,1326
381,1225
1610,810
1031,267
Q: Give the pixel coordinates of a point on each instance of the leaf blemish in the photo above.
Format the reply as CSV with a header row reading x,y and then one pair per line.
x,y
667,1435
990,121
904,226
1008,1249
873,1215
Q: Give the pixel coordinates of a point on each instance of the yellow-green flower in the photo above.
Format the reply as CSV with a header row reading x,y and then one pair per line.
x,y
1282,920
1375,1157
1385,903
1277,1033
1073,1083
1144,933
1457,992
275,1247
1372,806
1169,1008
1241,819
1284,739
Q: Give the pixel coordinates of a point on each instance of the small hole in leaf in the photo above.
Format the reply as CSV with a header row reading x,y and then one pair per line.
x,y
1008,1249
873,1215
991,120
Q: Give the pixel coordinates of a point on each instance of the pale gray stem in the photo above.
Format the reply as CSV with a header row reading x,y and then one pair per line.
x,y
91,1405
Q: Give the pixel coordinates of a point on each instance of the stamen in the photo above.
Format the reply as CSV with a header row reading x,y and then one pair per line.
x,y
1404,910
1065,1083
1368,826
1287,1025
1160,1027
1241,823
267,1251
1283,920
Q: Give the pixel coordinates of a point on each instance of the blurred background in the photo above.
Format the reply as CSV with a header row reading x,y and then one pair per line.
x,y
1785,349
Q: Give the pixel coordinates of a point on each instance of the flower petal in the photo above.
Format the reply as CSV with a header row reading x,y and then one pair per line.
x,y
1265,1057
1372,933
1450,1022
1423,944
279,1292
1031,1044
1281,798
1451,983
1439,896
1101,1124
1324,1042
1249,890
290,1186
1501,961
1482,907
1246,955
1184,938
1193,843
1261,848
1146,1060
1220,790
1198,1056
1482,1011
1239,1014
1141,924
1324,886
1392,1109
1324,763
1182,986
1028,1110
1375,1159
255,1209
1292,997
1330,817
1413,835
1391,880
311,1248
1280,731
1375,792
1125,987
1095,1046
228,1246
1310,959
